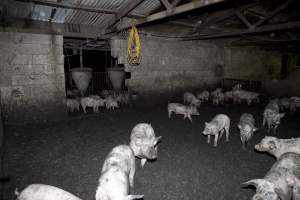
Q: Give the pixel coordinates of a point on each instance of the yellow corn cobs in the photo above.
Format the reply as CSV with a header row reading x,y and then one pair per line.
x,y
134,51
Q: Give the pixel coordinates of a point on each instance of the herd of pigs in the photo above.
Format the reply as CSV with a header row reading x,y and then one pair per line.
x,y
107,99
116,181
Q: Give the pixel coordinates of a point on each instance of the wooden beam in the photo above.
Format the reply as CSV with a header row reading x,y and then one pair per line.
x,y
272,14
266,28
167,4
123,11
175,3
183,24
165,14
77,7
244,20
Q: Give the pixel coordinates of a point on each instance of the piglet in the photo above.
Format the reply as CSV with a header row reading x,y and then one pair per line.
x,y
184,110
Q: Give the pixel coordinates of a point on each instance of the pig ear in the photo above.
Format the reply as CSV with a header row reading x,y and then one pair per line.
x,y
158,139
282,195
282,115
239,126
136,196
206,123
255,129
254,182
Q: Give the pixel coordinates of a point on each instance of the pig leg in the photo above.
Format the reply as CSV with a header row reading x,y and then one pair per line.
x,y
208,139
143,162
264,121
83,108
169,114
227,133
216,140
131,174
221,133
190,118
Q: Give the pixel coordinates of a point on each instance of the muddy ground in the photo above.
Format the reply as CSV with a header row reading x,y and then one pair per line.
x,y
69,154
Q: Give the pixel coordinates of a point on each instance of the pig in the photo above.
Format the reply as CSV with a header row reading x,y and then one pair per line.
x,y
217,126
91,102
143,142
117,171
271,115
276,147
214,93
237,87
247,127
228,95
122,98
190,98
111,103
244,95
274,185
44,192
284,103
184,110
203,96
72,104
294,103
218,98
294,183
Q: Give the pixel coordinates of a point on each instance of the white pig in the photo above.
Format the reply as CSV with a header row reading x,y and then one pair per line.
x,y
277,147
72,105
203,96
111,103
44,192
218,98
190,98
143,142
217,126
247,127
274,185
184,110
118,170
90,102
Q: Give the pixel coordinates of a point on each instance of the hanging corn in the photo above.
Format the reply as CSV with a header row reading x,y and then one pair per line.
x,y
134,51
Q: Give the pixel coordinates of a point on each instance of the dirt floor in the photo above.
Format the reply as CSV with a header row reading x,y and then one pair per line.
x,y
69,154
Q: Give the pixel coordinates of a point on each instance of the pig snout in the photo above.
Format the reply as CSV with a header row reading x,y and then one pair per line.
x,y
152,153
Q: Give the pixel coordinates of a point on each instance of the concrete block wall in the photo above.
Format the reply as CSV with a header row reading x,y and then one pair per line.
x,y
32,83
168,68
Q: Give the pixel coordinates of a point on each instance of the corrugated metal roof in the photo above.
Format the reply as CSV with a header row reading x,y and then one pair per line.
x,y
62,15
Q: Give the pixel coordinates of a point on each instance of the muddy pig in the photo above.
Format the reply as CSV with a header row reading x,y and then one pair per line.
x,y
143,142
271,115
247,127
277,147
184,110
274,185
217,126
118,170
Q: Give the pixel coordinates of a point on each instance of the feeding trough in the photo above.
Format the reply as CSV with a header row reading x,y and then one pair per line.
x,y
82,77
116,76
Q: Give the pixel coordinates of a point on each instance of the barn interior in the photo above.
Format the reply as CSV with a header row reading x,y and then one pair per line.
x,y
180,46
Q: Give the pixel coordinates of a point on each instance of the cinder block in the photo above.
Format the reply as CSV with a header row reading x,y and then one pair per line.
x,y
19,80
20,59
5,80
39,59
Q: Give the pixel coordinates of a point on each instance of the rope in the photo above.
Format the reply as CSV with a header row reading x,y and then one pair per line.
x,y
134,51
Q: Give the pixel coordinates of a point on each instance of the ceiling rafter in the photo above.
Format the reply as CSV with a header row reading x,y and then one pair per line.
x,y
165,14
77,7
124,10
261,29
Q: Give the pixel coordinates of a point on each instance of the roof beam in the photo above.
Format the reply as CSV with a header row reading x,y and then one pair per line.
x,y
244,20
167,4
272,14
266,28
123,11
77,7
165,14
